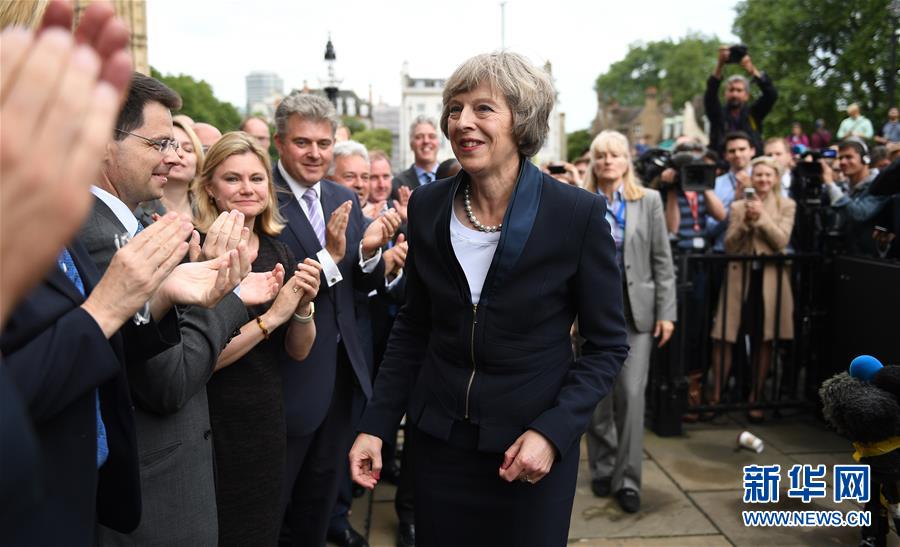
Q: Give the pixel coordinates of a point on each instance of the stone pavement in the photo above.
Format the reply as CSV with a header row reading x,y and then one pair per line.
x,y
692,491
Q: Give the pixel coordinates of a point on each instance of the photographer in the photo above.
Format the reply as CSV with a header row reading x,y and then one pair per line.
x,y
736,115
857,207
687,211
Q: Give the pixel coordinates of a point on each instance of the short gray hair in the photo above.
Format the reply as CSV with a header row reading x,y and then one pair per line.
x,y
347,148
738,78
526,88
420,119
307,106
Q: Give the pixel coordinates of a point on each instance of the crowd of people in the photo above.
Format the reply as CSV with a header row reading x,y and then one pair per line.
x,y
205,345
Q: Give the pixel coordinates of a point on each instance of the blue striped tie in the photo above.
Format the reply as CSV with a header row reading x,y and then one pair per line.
x,y
314,214
67,265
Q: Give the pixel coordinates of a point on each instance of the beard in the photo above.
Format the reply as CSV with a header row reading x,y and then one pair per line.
x,y
734,104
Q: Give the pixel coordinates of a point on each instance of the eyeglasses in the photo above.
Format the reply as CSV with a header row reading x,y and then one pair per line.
x,y
161,145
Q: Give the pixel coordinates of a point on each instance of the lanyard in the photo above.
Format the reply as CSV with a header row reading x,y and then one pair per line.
x,y
694,203
620,215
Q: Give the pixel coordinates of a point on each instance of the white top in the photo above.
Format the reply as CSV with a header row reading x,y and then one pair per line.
x,y
474,250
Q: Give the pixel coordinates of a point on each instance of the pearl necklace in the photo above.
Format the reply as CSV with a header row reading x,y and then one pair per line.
x,y
472,218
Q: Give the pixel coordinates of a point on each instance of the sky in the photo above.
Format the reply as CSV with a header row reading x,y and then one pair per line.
x,y
221,41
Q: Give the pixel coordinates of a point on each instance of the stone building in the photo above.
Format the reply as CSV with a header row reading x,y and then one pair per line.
x,y
635,122
134,13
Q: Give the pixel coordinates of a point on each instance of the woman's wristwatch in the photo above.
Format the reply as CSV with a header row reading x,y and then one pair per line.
x,y
306,318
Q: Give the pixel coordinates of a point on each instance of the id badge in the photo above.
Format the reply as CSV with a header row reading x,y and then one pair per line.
x,y
699,243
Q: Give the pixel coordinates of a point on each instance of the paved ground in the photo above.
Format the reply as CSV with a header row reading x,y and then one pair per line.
x,y
692,493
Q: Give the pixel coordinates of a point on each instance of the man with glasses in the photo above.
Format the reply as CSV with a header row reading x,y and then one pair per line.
x,y
169,389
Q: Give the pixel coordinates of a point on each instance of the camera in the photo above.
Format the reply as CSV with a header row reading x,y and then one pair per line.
x,y
556,169
798,150
692,173
736,53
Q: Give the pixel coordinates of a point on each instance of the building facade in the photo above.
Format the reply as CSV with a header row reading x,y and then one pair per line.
x,y
134,13
264,91
388,117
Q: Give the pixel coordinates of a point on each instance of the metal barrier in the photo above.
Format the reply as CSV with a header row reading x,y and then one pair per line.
x,y
691,376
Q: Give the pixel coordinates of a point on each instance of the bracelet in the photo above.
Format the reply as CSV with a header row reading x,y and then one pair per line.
x,y
262,327
306,318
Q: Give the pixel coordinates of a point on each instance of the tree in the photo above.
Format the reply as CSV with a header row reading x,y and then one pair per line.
x,y
821,55
354,124
372,139
677,69
199,103
577,142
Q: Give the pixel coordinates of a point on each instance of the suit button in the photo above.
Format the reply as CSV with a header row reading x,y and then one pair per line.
x,y
630,283
206,434
333,280
628,266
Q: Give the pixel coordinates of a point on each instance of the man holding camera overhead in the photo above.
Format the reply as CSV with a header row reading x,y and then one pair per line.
x,y
736,114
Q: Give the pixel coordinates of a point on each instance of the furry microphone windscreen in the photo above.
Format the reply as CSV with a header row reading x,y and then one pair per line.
x,y
888,379
859,410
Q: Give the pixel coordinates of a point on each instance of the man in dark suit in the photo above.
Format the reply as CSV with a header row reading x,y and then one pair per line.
x,y
424,142
169,389
320,392
63,352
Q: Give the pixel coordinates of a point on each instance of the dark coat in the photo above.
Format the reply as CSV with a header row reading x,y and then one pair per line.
x,y
58,357
505,364
749,120
309,385
407,178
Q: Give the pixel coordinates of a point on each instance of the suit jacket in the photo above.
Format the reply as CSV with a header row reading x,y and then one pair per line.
x,y
58,357
649,272
407,178
172,413
505,364
308,386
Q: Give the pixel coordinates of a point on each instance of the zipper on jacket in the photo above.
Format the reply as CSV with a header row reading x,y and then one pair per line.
x,y
472,350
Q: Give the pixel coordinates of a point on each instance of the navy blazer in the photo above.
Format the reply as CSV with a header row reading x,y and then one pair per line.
x,y
308,385
58,356
505,364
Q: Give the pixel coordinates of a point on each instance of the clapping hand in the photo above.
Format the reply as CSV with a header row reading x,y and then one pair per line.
x,y
336,231
137,270
59,98
298,291
379,232
206,283
395,257
261,287
401,205
225,234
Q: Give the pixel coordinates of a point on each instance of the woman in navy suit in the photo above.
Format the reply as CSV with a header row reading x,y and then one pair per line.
x,y
501,259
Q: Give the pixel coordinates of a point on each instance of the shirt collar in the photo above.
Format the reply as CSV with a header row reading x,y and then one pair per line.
x,y
125,215
419,171
297,188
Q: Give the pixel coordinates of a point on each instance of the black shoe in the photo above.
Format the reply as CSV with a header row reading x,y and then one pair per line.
x,y
406,535
348,538
629,500
601,487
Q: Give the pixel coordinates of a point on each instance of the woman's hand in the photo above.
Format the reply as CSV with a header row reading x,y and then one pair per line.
x,y
529,459
753,210
663,331
307,276
225,234
365,460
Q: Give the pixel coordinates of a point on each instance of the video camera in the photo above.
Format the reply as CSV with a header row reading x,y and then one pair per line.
x,y
692,174
806,185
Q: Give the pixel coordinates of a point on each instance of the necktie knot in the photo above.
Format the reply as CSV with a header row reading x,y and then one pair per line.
x,y
310,196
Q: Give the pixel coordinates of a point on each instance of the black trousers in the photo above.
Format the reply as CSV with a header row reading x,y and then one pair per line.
x,y
461,499
316,463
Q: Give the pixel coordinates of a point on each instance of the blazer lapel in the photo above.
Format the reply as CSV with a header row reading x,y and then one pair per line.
x,y
297,223
517,223
328,199
632,218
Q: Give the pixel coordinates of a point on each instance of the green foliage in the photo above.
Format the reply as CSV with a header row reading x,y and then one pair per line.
x,y
678,69
821,55
375,139
577,142
354,124
199,103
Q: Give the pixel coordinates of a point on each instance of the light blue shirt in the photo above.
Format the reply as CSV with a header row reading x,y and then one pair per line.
x,y
422,174
725,189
